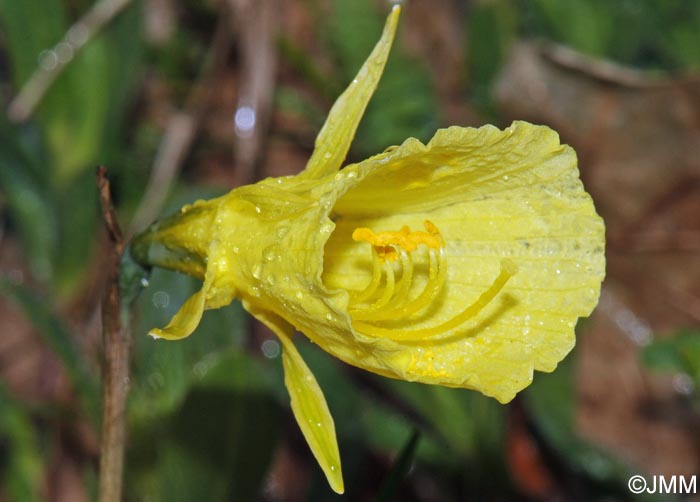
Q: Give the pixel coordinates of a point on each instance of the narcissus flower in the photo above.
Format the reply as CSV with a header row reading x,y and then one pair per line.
x,y
463,262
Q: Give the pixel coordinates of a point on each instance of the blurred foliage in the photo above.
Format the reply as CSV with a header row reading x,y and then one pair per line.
x,y
49,164
60,340
596,473
654,34
208,414
21,459
678,355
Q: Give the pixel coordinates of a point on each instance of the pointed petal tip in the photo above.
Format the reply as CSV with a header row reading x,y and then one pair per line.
x,y
337,484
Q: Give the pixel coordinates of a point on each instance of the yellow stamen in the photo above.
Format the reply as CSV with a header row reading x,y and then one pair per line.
x,y
394,304
508,269
389,290
404,238
368,292
386,247
398,297
436,280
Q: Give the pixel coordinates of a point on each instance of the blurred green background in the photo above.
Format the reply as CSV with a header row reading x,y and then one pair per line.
x,y
153,94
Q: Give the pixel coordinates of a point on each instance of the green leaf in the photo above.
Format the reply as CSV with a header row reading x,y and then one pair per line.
x,y
29,200
399,470
78,212
29,27
468,427
80,108
218,444
57,336
679,353
491,27
163,371
21,460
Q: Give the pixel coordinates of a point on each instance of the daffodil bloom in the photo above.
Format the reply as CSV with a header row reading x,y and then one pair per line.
x,y
462,262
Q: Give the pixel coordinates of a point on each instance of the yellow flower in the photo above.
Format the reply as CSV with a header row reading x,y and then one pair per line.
x,y
465,262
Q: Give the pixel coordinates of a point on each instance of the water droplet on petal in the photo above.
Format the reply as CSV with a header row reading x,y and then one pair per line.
x,y
270,254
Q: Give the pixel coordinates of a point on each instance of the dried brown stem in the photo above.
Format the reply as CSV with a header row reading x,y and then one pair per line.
x,y
116,359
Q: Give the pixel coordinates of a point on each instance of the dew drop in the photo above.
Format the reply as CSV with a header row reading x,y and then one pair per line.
x,y
282,231
270,254
257,271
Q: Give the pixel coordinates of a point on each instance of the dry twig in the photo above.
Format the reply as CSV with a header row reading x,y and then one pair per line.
x,y
116,359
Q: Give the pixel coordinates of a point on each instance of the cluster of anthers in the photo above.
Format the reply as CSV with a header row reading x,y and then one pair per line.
x,y
375,306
